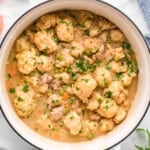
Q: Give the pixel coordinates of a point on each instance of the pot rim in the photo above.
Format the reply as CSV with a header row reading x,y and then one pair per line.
x,y
49,1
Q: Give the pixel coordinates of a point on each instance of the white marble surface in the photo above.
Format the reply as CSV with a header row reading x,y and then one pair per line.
x,y
11,10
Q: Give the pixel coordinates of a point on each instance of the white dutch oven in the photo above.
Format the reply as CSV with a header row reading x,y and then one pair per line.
x,y
140,104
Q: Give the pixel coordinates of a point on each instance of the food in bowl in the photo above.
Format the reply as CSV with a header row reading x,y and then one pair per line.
x,y
72,76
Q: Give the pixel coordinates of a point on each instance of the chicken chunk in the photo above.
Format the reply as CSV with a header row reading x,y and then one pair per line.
x,y
104,36
126,79
45,78
44,63
91,45
118,53
26,61
38,85
65,77
120,116
77,49
54,100
44,122
64,58
85,20
23,44
117,67
94,102
84,87
65,31
116,35
47,21
45,42
56,84
118,93
102,76
113,53
73,122
42,88
24,102
108,108
93,116
88,127
106,125
94,31
57,113
104,24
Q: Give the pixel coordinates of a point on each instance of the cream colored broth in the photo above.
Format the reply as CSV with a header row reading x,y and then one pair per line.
x,y
72,76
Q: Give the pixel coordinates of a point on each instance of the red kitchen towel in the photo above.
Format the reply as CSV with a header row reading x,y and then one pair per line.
x,y
1,24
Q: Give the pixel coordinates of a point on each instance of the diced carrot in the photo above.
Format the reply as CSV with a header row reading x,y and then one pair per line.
x,y
56,135
13,70
66,96
9,85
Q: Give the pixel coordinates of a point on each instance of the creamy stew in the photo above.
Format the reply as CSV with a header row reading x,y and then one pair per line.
x,y
72,76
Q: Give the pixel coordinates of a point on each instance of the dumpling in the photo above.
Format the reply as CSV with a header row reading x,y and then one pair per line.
x,y
64,30
118,93
23,44
26,61
44,63
84,87
47,21
108,108
102,76
73,122
45,42
24,102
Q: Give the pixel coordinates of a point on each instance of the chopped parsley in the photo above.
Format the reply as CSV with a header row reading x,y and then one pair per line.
x,y
62,46
71,101
107,101
41,63
8,75
108,67
82,25
19,99
90,51
72,117
26,88
84,65
73,47
68,69
68,23
126,45
56,39
55,101
108,94
59,57
87,32
81,65
83,112
106,82
90,135
74,76
100,99
119,76
86,80
77,88
106,107
12,90
45,49
61,91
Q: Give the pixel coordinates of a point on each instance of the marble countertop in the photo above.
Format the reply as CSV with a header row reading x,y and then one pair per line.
x,y
7,135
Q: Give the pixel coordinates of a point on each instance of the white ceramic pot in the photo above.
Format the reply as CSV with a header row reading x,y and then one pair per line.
x,y
140,104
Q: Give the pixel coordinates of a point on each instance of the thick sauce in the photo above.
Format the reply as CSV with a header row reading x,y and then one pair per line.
x,y
72,76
